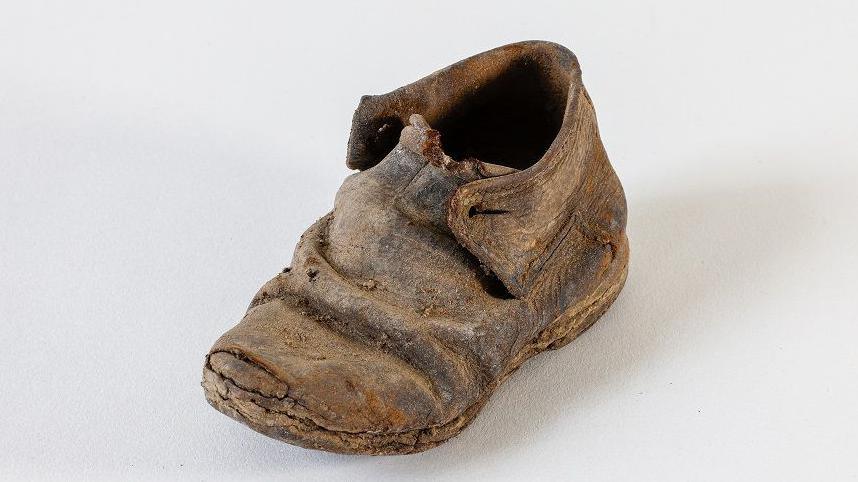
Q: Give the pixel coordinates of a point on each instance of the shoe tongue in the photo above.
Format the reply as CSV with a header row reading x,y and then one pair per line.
x,y
421,139
425,197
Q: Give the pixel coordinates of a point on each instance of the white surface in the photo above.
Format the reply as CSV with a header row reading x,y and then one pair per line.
x,y
158,162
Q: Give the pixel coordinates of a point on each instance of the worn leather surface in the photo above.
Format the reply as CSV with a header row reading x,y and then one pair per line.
x,y
437,272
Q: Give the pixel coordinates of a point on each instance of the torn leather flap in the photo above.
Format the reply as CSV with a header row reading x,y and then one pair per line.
x,y
545,230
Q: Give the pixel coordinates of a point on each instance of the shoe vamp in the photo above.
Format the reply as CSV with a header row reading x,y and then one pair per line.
x,y
389,235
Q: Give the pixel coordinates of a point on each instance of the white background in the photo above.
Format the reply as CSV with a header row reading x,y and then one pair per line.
x,y
158,161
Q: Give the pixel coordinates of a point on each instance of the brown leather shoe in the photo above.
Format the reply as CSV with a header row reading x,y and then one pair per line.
x,y
457,252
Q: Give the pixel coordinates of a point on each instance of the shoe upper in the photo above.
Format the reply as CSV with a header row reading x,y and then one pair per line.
x,y
484,208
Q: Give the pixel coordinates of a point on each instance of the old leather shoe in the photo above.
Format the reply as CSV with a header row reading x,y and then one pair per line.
x,y
484,226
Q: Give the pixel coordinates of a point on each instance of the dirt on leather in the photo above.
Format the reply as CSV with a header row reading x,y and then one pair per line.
x,y
485,225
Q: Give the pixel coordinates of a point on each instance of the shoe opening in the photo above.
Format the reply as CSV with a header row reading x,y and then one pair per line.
x,y
504,107
511,120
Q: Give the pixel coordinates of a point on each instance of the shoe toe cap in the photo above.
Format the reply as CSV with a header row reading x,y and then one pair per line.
x,y
281,369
